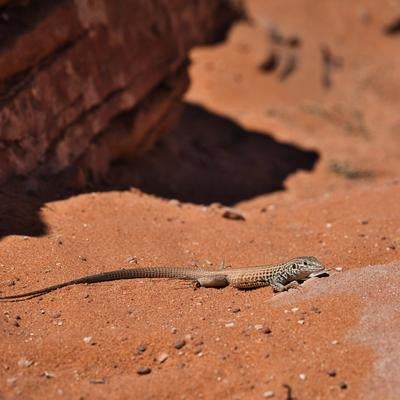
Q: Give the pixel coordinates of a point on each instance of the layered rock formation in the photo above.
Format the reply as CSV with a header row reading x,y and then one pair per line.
x,y
85,82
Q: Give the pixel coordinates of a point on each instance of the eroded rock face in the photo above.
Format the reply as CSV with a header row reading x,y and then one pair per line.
x,y
92,81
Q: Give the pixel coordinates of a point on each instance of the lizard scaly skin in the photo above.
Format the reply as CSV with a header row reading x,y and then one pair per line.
x,y
280,276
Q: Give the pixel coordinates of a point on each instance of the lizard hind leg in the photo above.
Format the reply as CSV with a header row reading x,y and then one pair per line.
x,y
213,281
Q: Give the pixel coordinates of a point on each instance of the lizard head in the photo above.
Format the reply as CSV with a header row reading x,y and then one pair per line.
x,y
305,267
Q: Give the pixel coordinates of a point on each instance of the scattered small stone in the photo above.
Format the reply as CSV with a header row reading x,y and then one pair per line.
x,y
10,282
175,202
328,225
173,330
301,321
197,351
143,371
56,315
48,375
97,381
236,310
294,309
180,343
198,342
229,325
334,342
162,357
233,215
24,362
332,372
88,340
268,394
141,349
25,238
343,385
338,269
258,326
188,337
302,376
82,258
132,260
11,381
266,330
364,222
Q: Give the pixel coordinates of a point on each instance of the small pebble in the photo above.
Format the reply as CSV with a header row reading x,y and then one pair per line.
x,y
343,385
175,202
332,372
339,269
11,381
143,371
258,326
233,215
24,362
174,330
268,394
301,321
229,325
48,375
141,348
335,342
303,377
131,260
162,357
197,351
266,330
88,340
235,310
180,343
294,309
98,381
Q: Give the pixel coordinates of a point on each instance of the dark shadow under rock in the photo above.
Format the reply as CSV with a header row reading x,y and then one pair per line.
x,y
210,158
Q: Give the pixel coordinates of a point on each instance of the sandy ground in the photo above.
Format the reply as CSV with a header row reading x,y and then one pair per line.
x,y
308,151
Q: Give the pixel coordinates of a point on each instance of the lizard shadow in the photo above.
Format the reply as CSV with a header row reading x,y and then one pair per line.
x,y
208,158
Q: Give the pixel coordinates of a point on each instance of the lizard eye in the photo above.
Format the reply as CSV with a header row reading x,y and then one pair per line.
x,y
305,263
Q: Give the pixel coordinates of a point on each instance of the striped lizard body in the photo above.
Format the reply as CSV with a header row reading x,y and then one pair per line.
x,y
280,276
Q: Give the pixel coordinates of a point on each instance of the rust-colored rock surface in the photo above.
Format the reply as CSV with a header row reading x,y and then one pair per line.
x,y
293,124
69,68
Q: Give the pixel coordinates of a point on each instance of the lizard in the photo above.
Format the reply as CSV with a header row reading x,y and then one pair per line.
x,y
279,276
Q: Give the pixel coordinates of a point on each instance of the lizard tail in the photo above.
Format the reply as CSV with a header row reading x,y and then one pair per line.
x,y
134,273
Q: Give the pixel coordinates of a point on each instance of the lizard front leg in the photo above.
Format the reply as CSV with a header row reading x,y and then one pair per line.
x,y
278,287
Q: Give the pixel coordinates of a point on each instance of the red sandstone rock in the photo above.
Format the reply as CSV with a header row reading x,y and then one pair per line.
x,y
68,69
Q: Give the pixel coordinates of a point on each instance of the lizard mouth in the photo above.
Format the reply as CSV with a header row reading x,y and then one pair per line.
x,y
318,274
